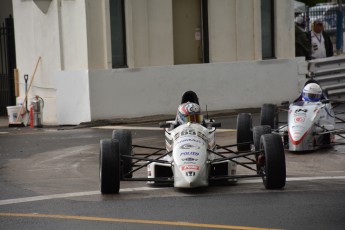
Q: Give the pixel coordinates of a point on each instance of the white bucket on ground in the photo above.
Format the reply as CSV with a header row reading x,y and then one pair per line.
x,y
13,113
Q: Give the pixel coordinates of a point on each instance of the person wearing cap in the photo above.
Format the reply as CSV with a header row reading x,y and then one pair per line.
x,y
302,43
321,44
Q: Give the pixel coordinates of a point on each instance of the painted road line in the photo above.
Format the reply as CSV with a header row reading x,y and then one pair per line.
x,y
133,221
252,181
149,128
316,178
68,195
90,193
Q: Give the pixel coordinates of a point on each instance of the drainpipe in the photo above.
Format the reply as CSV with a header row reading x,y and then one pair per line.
x,y
62,61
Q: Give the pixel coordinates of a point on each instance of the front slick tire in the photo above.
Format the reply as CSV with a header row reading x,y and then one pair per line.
x,y
109,167
274,165
124,137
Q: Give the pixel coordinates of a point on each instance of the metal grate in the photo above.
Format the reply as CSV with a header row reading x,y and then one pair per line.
x,y
327,13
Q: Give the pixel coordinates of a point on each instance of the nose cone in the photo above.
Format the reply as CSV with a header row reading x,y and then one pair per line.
x,y
190,176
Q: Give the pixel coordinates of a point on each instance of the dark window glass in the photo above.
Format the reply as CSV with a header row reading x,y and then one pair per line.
x,y
118,33
267,29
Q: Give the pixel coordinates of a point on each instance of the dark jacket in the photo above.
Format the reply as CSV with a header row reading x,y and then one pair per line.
x,y
328,43
302,44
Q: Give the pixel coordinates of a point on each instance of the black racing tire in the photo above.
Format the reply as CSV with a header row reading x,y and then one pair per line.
x,y
258,131
244,131
274,167
268,115
109,166
124,138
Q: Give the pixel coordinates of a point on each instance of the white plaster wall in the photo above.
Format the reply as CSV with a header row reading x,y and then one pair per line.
x,y
37,35
73,100
157,90
73,32
60,38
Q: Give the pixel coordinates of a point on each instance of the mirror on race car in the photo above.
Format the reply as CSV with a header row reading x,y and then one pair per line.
x,y
216,124
325,101
164,124
285,103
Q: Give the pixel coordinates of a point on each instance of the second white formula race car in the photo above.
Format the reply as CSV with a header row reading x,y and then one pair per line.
x,y
191,157
310,125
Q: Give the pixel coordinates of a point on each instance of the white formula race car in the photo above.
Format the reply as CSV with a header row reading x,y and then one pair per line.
x,y
191,157
310,125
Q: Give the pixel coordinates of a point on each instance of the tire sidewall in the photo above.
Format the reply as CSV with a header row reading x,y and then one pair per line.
x,y
244,131
109,166
275,168
124,137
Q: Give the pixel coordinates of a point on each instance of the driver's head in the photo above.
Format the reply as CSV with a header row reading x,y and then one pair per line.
x,y
189,112
312,92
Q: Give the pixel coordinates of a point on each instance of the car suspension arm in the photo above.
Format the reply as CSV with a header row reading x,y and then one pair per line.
x,y
146,159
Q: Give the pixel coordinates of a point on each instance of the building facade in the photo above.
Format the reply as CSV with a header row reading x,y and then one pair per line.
x,y
130,58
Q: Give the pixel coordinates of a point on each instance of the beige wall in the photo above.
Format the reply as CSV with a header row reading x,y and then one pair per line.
x,y
284,29
98,31
222,30
234,31
149,32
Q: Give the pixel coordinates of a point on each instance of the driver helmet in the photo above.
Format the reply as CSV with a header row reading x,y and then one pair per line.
x,y
189,112
312,92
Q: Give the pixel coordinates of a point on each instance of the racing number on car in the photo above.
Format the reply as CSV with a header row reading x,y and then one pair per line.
x,y
188,132
301,110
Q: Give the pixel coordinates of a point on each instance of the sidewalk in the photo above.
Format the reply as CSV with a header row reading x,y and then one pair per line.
x,y
4,123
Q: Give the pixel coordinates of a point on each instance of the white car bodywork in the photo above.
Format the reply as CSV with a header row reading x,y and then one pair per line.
x,y
307,123
190,156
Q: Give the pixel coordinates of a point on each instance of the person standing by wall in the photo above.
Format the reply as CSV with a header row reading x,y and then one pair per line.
x,y
302,43
320,42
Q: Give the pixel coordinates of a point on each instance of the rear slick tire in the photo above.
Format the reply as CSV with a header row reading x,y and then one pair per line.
x,y
268,115
244,131
258,131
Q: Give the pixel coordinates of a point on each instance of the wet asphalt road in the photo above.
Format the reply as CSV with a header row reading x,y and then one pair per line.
x,y
49,180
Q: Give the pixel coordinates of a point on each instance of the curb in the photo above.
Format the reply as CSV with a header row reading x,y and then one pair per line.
x,y
158,118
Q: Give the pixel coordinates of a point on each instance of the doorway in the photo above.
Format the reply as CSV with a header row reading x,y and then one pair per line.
x,y
189,33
